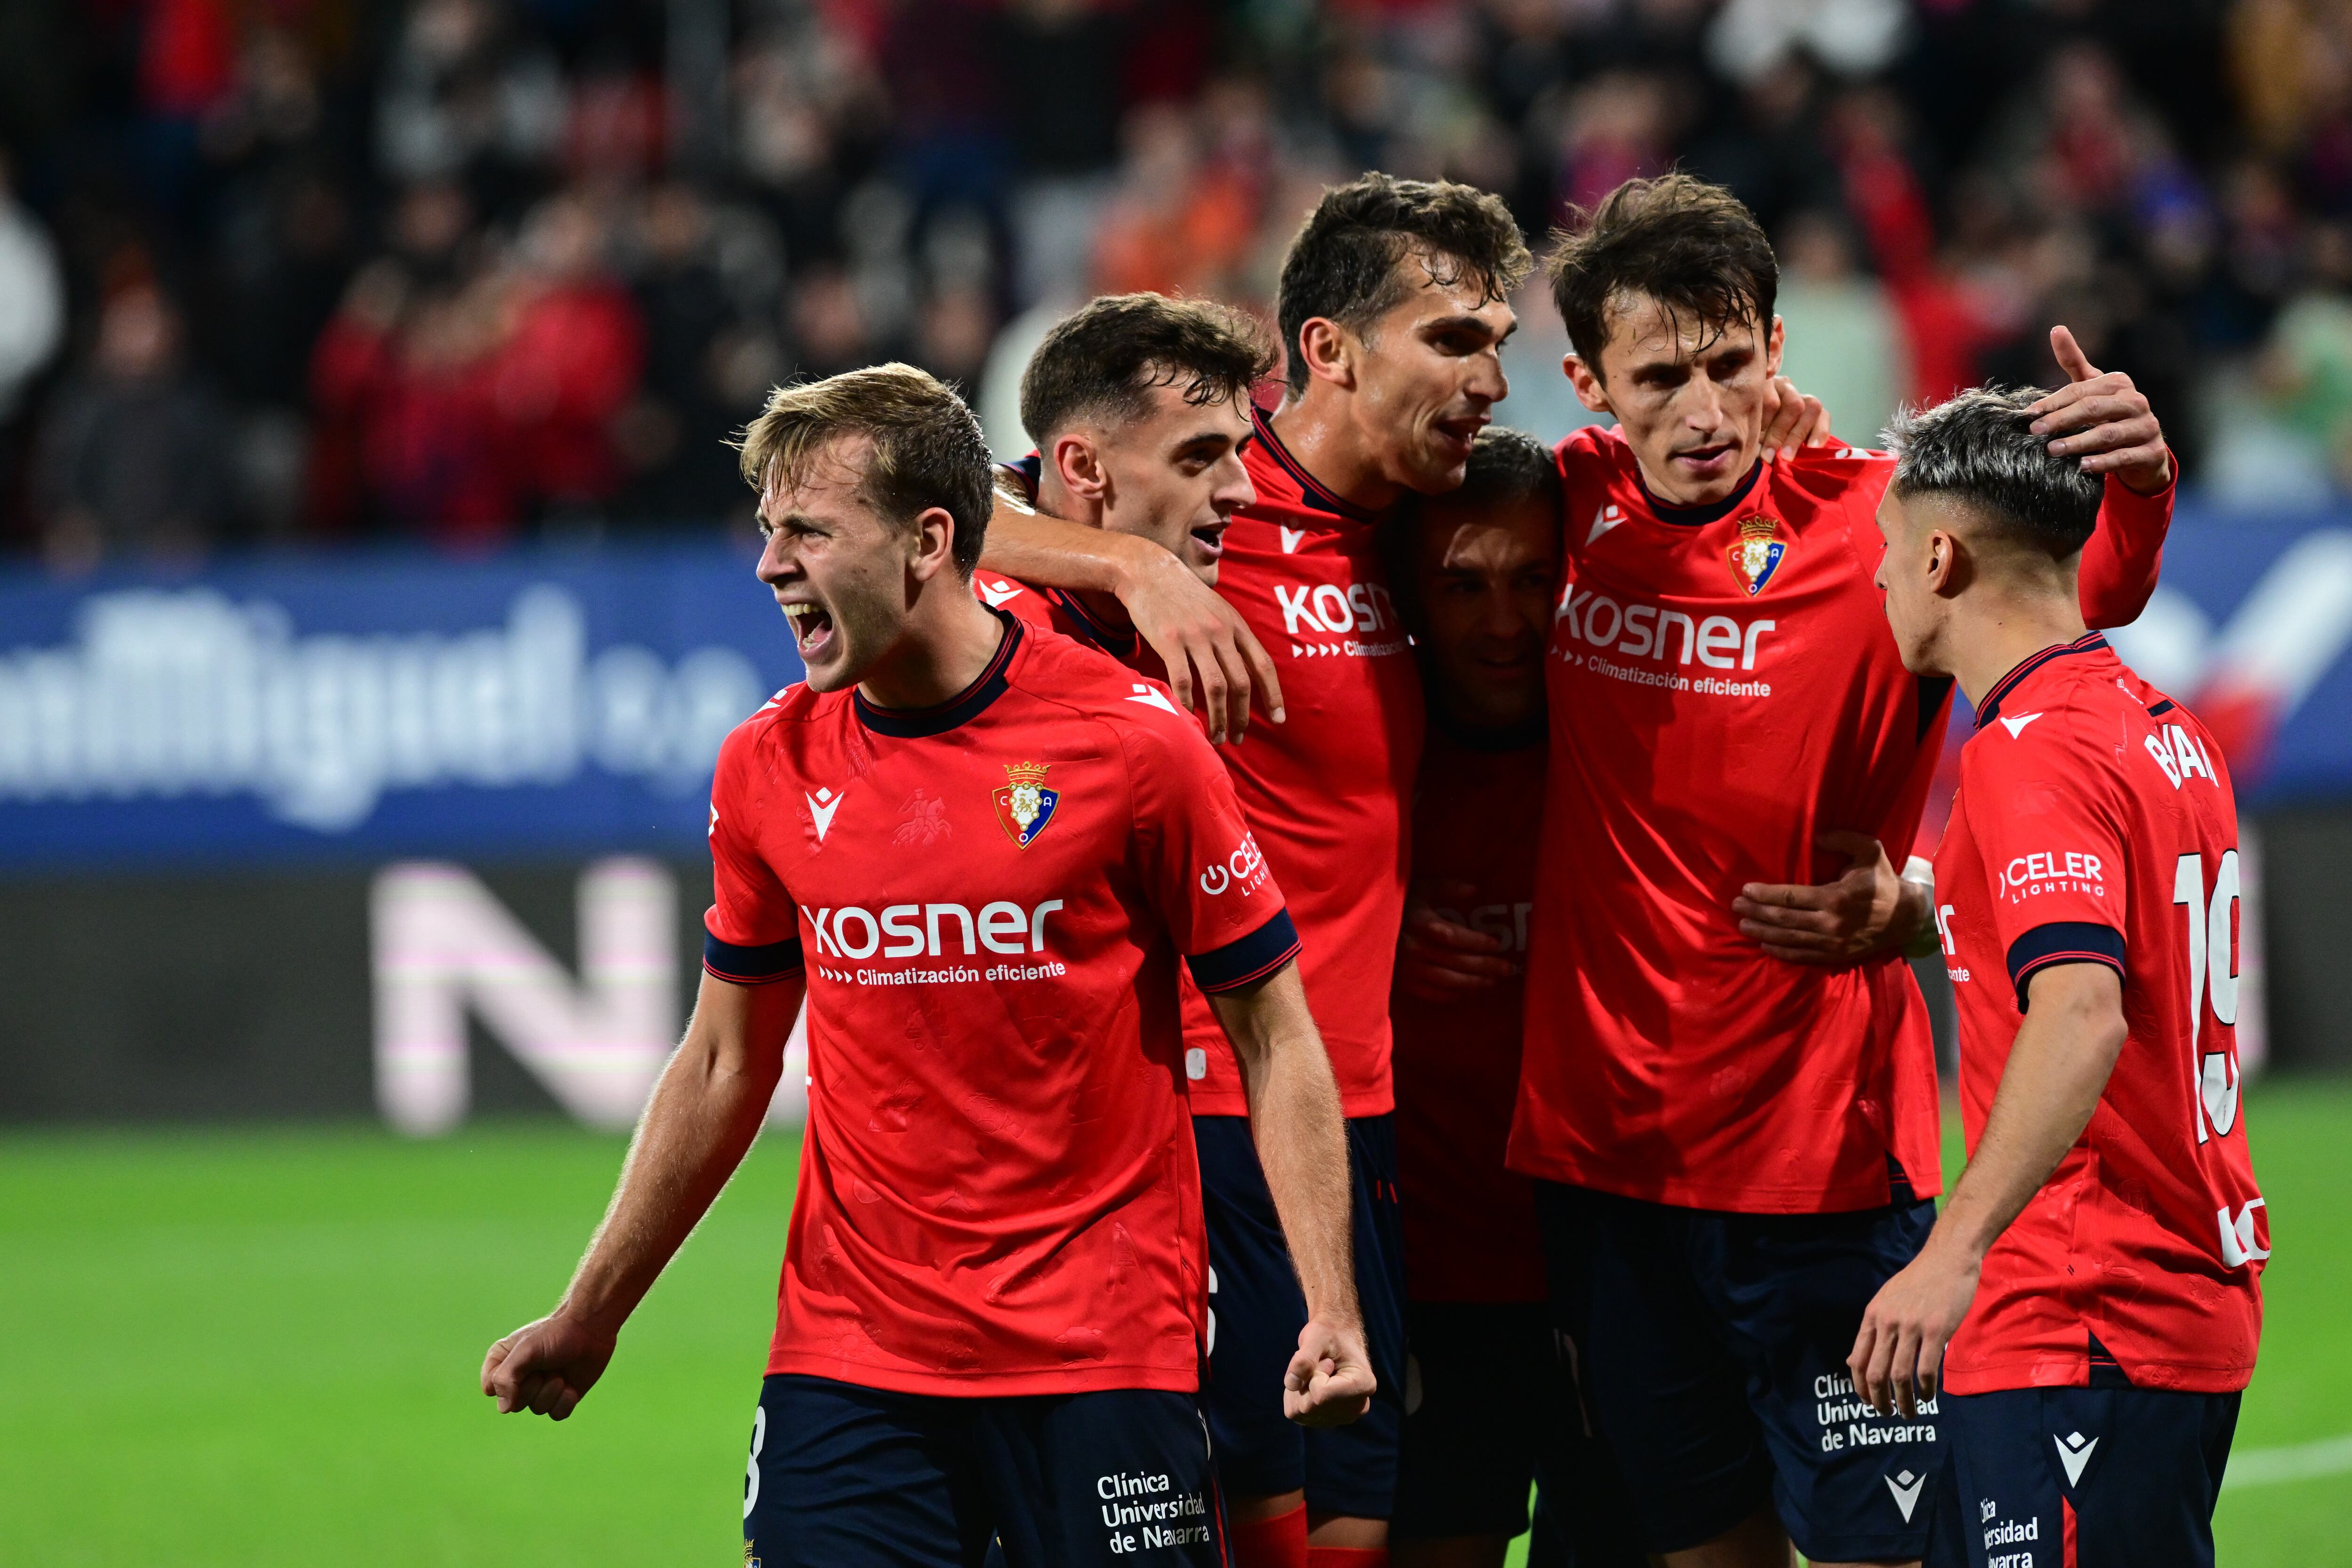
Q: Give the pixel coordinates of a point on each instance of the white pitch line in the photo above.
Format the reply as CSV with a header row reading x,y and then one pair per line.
x,y
2302,1462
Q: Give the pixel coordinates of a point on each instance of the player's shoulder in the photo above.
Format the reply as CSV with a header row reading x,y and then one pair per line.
x,y
2074,720
1090,686
1012,595
773,730
1829,473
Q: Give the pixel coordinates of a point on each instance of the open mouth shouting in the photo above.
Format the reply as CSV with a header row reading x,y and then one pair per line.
x,y
1209,539
812,629
1707,462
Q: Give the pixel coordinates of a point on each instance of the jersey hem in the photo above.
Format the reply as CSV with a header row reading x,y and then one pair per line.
x,y
2073,1370
990,1385
1234,1103
1847,1199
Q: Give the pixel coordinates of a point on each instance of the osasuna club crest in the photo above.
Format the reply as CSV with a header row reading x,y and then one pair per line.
x,y
1757,558
1023,805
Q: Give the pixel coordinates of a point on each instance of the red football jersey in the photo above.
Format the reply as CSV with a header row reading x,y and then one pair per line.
x,y
1326,791
1469,1224
2094,823
1061,610
998,1193
1724,689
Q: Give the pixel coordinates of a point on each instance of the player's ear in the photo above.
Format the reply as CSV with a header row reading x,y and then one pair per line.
x,y
1947,564
1589,390
1329,350
932,550
1079,462
1774,340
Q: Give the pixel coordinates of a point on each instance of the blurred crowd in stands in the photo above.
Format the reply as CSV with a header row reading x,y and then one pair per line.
x,y
469,270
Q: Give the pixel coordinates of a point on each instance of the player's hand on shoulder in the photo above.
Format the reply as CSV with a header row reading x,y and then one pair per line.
x,y
1791,419
2101,418
1214,661
1441,960
547,1367
1329,1381
1870,907
1899,1353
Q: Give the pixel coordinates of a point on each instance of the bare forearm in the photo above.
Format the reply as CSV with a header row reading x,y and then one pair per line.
x,y
2057,1069
1037,548
703,1117
1300,1132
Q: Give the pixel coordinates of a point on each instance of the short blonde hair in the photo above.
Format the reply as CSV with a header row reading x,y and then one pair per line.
x,y
927,448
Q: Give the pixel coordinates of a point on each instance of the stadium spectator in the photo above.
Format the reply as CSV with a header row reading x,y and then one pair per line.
x,y
134,458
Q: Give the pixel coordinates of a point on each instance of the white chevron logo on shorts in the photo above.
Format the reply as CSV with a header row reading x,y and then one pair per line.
x,y
2074,1452
822,805
1905,1487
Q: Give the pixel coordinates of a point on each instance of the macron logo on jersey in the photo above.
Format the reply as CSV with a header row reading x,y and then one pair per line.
x,y
1607,517
822,806
1290,538
996,593
2016,726
1151,696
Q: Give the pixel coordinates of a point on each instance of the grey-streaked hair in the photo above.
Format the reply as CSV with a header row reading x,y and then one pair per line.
x,y
1977,448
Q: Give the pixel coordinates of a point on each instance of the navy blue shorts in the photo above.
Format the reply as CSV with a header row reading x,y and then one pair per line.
x,y
1255,1310
2082,1478
1713,1358
842,1474
1491,1408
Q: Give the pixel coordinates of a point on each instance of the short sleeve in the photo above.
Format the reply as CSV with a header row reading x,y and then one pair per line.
x,y
751,932
1201,866
2053,847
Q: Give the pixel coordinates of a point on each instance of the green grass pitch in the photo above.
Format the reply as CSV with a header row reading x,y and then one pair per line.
x,y
257,1347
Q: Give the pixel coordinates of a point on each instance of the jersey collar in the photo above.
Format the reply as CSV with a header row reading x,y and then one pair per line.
x,y
1705,513
1313,494
913,723
2089,642
1119,645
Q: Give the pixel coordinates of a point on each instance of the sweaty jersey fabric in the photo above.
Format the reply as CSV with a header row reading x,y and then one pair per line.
x,y
2094,823
998,1192
1470,1229
1327,791
1723,688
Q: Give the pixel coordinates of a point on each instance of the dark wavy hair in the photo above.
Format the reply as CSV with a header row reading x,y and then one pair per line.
x,y
1694,247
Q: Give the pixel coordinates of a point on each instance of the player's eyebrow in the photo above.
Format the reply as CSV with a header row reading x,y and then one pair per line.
x,y
1466,322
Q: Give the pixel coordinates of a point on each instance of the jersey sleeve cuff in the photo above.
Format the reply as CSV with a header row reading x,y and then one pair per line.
x,y
751,965
2063,942
1246,958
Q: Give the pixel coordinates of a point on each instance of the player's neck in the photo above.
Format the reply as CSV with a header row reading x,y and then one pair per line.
x,y
946,646
1056,499
1986,640
1318,429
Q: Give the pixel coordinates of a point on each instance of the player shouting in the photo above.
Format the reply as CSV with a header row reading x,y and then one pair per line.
x,y
1139,405
1475,571
2099,1256
1735,1151
992,1308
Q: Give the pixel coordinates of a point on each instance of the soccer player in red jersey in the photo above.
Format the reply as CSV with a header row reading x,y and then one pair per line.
x,y
1139,407
2096,1272
1475,570
1729,1094
1392,305
993,1305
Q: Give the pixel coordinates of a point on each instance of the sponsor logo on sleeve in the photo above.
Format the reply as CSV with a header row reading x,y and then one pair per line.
x,y
1242,871
2053,871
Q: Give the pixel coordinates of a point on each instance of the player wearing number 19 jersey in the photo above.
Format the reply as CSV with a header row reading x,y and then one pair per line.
x,y
2087,890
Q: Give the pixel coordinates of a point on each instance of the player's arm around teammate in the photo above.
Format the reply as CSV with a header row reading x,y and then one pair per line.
x,y
703,1116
